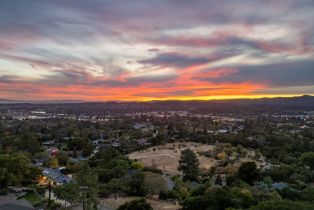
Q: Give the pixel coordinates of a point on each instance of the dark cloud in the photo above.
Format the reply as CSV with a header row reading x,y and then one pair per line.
x,y
134,81
73,77
174,59
298,90
300,73
230,41
84,20
8,79
151,78
180,60
65,77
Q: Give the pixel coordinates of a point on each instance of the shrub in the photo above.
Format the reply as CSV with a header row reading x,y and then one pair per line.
x,y
138,204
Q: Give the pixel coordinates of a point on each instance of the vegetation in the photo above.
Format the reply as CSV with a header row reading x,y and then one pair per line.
x,y
248,172
260,161
87,185
282,205
139,204
153,183
68,192
188,164
16,169
307,159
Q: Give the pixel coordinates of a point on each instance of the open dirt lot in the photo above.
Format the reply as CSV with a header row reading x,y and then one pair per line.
x,y
167,157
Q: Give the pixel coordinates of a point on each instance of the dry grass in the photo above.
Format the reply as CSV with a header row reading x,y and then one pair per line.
x,y
166,157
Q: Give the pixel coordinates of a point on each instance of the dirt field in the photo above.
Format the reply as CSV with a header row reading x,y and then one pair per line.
x,y
156,204
166,157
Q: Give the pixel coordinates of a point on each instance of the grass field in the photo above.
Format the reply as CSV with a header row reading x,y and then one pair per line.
x,y
166,157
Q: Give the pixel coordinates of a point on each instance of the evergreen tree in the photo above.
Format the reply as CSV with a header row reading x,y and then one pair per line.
x,y
88,182
248,172
189,165
67,192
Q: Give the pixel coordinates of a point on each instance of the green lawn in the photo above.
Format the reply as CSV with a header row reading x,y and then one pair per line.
x,y
31,197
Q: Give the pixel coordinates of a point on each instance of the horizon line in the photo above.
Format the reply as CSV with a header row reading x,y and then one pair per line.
x,y
202,98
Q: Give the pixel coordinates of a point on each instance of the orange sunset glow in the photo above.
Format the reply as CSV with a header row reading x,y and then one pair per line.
x,y
161,50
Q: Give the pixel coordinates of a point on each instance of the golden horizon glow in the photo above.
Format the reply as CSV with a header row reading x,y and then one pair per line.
x,y
156,50
213,98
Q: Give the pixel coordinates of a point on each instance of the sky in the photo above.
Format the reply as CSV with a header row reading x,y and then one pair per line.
x,y
141,50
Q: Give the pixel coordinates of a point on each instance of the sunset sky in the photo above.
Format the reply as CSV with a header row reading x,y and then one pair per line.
x,y
155,49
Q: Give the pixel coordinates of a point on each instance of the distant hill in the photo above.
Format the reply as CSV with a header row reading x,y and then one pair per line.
x,y
301,103
274,101
8,101
278,100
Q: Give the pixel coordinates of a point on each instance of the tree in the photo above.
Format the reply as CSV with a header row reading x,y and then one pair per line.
x,y
5,177
16,169
168,195
218,180
137,166
115,186
53,163
87,181
242,197
308,194
135,184
218,198
222,156
87,149
153,183
28,141
73,167
63,158
281,173
68,192
107,154
184,193
195,202
307,158
282,205
189,165
248,172
215,198
138,204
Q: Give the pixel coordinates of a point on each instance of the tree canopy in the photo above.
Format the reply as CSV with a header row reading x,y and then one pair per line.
x,y
139,204
189,165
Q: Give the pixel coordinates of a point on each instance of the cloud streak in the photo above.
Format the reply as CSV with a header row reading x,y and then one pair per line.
x,y
139,50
